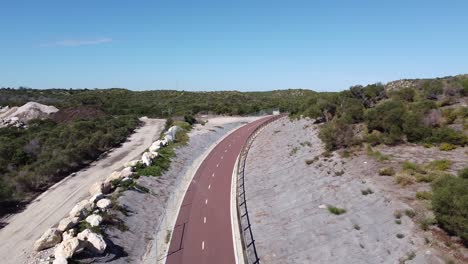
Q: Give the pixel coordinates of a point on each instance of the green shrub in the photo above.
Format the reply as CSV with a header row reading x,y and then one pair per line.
x,y
463,173
413,168
387,171
336,210
441,165
447,147
404,179
367,191
427,222
410,213
450,205
424,195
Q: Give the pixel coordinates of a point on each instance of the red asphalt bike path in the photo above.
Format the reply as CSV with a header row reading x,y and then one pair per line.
x,y
203,230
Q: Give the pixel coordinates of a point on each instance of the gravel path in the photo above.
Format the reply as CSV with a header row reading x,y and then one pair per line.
x,y
17,238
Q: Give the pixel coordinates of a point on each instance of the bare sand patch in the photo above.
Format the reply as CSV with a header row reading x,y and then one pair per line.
x,y
288,197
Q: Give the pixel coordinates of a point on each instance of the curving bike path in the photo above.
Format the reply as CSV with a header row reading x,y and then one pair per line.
x,y
203,230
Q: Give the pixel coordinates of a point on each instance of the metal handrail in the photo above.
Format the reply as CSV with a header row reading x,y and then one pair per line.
x,y
241,197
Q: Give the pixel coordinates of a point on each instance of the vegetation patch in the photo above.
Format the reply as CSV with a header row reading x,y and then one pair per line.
x,y
336,210
424,195
387,171
450,205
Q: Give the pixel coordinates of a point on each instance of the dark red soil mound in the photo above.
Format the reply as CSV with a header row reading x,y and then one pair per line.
x,y
79,112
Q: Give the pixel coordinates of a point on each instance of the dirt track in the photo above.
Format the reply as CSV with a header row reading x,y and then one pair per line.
x,y
17,238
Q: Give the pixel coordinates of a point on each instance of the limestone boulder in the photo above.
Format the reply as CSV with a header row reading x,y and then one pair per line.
x,y
94,242
104,203
100,187
94,219
67,223
67,248
131,164
70,233
172,131
168,138
146,158
60,260
82,209
96,197
50,238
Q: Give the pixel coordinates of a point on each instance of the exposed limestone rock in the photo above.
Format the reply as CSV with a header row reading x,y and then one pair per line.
x,y
67,223
67,248
172,131
69,234
50,238
132,163
100,187
82,209
60,260
146,158
94,242
96,197
94,220
104,203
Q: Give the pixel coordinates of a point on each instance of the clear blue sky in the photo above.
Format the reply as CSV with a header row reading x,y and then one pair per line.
x,y
229,45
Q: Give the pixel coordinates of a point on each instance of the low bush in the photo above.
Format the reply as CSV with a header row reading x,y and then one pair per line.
x,y
424,195
387,171
463,173
450,205
404,179
447,147
367,191
441,165
336,210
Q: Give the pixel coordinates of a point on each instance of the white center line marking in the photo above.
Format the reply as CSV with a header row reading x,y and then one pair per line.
x,y
202,245
209,186
206,201
217,165
225,150
204,220
222,157
212,175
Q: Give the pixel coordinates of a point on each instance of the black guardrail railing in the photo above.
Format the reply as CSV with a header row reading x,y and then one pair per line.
x,y
248,241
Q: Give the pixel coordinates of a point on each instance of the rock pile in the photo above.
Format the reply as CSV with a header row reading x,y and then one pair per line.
x,y
19,116
67,238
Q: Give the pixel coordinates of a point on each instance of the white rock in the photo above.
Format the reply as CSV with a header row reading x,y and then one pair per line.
x,y
322,206
60,260
146,158
116,175
100,187
67,223
127,172
82,209
69,234
104,203
132,163
50,238
172,131
67,248
126,179
168,138
96,197
94,220
156,146
95,242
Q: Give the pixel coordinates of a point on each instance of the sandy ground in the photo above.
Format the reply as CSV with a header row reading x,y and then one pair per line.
x,y
152,215
18,237
287,201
